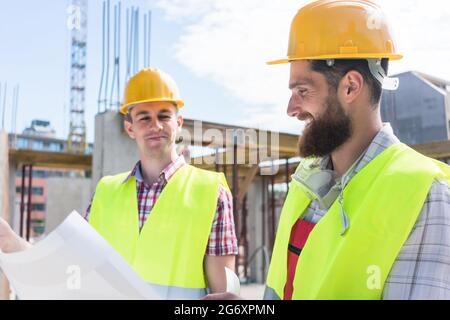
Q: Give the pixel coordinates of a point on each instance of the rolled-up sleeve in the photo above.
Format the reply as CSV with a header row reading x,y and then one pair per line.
x,y
222,240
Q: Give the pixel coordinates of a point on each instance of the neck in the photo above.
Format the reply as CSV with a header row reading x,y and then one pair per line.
x,y
363,134
152,166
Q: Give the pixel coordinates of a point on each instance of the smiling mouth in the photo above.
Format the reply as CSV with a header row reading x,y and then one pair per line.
x,y
155,137
307,119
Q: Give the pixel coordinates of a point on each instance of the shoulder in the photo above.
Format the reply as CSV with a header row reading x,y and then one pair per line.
x,y
211,178
402,160
439,195
201,171
112,180
440,187
206,174
436,209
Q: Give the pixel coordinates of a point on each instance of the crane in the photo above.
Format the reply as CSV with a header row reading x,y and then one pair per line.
x,y
77,23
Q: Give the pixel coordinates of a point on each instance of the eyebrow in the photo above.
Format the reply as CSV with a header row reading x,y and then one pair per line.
x,y
145,112
301,82
164,111
142,113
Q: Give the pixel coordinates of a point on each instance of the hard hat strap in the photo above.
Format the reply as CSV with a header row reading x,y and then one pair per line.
x,y
378,72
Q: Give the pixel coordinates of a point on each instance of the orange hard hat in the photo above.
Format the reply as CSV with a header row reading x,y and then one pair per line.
x,y
340,29
150,85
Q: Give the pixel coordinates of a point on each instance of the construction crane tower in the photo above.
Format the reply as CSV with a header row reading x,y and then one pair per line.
x,y
77,23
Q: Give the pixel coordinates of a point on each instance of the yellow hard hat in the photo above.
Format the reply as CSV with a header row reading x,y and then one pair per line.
x,y
150,85
340,29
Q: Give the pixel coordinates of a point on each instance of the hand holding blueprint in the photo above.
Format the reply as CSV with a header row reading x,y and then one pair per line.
x,y
73,262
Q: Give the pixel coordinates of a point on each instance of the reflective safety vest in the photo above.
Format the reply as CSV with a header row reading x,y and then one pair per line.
x,y
169,251
383,202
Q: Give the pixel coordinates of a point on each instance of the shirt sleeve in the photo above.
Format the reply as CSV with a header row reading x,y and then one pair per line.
x,y
222,239
422,268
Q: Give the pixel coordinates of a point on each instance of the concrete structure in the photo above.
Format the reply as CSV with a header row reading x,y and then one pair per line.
x,y
40,197
259,255
419,111
254,237
4,176
40,137
44,143
114,151
4,197
40,128
63,196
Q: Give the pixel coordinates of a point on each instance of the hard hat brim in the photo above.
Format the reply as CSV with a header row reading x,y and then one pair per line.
x,y
390,56
124,108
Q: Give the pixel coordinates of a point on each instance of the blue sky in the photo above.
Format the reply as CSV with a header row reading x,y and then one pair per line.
x,y
34,52
214,49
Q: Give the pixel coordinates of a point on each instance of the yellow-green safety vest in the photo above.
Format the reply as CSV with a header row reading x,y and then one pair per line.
x,y
383,202
169,251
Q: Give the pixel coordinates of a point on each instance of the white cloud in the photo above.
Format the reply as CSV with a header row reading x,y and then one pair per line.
x,y
230,41
421,29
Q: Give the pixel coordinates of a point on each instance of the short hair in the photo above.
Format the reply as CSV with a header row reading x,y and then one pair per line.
x,y
127,116
334,73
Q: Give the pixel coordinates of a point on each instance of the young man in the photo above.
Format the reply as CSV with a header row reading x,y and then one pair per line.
x,y
172,222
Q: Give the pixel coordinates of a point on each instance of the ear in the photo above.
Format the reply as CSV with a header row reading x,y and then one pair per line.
x,y
351,86
129,129
179,121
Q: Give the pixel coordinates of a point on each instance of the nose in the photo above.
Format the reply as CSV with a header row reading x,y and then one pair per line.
x,y
155,124
293,109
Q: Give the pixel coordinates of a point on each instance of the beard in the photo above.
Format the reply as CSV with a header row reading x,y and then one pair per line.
x,y
326,133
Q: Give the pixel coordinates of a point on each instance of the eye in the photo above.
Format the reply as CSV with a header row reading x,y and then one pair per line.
x,y
302,92
164,117
146,118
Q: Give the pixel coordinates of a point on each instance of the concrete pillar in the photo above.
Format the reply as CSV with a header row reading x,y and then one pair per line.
x,y
4,198
254,228
63,196
114,151
14,209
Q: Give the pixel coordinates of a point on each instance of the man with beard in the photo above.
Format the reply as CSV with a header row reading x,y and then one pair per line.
x,y
366,217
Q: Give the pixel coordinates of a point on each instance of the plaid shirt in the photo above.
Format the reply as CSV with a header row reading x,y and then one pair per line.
x,y
422,268
222,239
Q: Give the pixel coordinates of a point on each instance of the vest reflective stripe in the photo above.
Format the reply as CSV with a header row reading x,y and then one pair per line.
x,y
383,202
276,277
169,250
177,293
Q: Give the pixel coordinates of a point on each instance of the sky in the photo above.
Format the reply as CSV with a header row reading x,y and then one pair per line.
x,y
214,49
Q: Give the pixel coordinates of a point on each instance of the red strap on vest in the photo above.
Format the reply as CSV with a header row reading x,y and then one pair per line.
x,y
299,234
